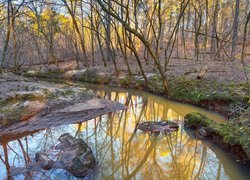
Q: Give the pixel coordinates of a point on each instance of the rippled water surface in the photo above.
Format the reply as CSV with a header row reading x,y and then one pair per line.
x,y
122,152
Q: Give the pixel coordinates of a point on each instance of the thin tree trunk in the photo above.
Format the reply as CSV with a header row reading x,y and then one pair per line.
x,y
235,29
108,35
92,33
244,45
214,31
78,31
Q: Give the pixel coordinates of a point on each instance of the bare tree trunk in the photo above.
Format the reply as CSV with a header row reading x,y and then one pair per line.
x,y
108,35
206,27
78,31
92,32
7,39
132,48
197,26
244,45
214,31
5,48
188,19
235,29
123,50
101,49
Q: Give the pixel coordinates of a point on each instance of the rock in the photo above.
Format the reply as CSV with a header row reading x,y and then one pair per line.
x,y
74,74
45,161
157,127
76,156
97,75
202,126
202,132
88,105
196,121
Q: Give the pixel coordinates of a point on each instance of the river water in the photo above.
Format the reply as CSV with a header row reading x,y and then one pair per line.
x,y
123,153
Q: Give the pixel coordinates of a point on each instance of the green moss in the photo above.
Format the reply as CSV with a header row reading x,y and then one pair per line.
x,y
130,81
187,89
244,118
32,96
201,90
125,82
2,103
57,94
234,134
155,85
48,74
10,114
196,120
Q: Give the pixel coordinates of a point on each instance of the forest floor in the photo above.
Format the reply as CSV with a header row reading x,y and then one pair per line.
x,y
221,71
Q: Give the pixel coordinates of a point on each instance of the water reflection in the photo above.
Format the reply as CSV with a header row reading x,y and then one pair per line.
x,y
124,153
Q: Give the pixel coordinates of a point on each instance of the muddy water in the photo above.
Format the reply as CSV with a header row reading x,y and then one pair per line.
x,y
122,152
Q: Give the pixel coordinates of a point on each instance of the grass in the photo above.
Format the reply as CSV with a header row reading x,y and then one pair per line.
x,y
193,91
200,90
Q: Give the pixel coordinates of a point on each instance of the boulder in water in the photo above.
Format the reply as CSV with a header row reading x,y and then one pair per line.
x,y
44,160
76,156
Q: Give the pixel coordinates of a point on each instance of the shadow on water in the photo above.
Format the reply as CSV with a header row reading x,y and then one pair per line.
x,y
122,152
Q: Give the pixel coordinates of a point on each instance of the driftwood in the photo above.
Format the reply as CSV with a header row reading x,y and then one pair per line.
x,y
191,71
203,72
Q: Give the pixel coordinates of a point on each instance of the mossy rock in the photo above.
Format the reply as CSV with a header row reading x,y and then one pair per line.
x,y
96,75
197,120
10,115
132,81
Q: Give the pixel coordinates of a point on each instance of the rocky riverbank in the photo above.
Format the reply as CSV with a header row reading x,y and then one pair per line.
x,y
30,105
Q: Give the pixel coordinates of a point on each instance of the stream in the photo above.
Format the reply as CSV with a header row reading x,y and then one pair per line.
x,y
123,153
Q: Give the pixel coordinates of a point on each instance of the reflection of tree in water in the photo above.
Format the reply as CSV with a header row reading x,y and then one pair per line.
x,y
23,153
123,152
18,152
131,153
